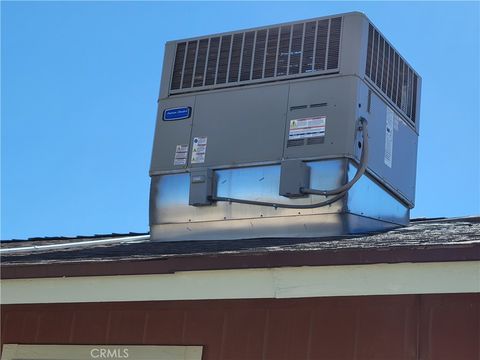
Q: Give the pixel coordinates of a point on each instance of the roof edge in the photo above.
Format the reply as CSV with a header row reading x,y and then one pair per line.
x,y
417,254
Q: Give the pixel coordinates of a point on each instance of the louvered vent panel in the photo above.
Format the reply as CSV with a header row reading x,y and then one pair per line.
x,y
212,61
334,43
409,91
321,45
201,61
380,62
395,78
189,64
259,56
404,102
399,85
272,47
178,66
387,70
296,49
223,61
414,105
374,56
290,50
247,56
283,50
308,46
369,50
391,65
235,57
386,56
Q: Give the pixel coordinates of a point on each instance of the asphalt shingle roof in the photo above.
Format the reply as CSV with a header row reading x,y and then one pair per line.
x,y
428,234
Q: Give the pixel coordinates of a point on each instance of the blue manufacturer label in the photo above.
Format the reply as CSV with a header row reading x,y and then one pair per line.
x,y
177,113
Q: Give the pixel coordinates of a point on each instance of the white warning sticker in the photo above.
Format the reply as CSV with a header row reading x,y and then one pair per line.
x,y
307,128
177,162
181,155
389,129
199,150
181,148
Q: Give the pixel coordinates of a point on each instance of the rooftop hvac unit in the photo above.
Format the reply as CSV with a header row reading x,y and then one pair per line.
x,y
303,129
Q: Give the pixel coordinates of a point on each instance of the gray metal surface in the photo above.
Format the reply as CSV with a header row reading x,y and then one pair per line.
x,y
389,73
294,176
369,198
285,227
367,207
170,194
346,44
201,187
170,134
334,98
400,177
256,55
262,96
251,125
243,125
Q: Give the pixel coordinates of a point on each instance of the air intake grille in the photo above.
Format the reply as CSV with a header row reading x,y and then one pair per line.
x,y
390,73
276,52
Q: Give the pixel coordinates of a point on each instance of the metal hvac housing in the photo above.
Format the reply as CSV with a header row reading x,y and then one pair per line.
x,y
303,129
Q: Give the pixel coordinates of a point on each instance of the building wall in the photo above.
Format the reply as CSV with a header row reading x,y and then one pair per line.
x,y
443,326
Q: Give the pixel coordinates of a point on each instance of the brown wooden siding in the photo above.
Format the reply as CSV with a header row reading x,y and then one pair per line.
x,y
426,327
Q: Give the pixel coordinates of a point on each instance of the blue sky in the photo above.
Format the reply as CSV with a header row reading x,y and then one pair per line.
x,y
79,84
